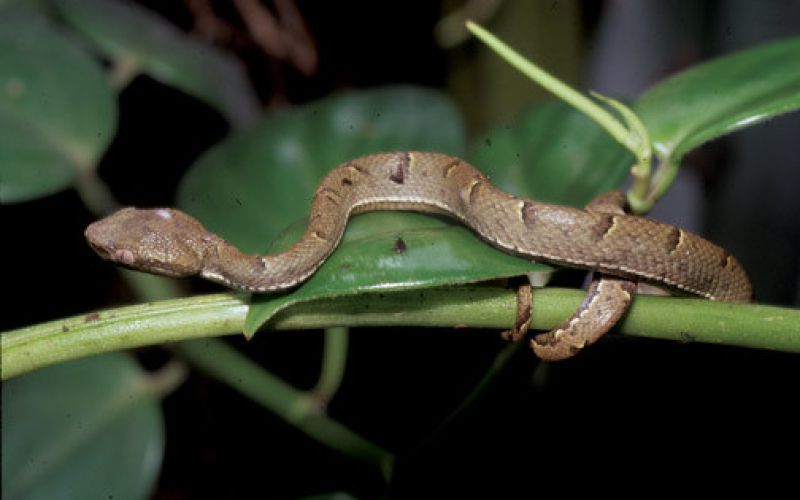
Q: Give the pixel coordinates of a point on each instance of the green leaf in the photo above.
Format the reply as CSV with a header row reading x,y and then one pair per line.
x,y
252,185
552,153
388,251
85,429
57,112
721,96
135,37
256,183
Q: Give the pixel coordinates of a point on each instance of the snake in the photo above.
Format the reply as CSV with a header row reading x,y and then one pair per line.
x,y
621,249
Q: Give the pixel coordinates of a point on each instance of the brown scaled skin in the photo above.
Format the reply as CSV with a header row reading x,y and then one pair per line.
x,y
599,238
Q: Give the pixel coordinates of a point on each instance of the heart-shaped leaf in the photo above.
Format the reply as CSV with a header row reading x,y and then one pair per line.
x,y
85,429
57,112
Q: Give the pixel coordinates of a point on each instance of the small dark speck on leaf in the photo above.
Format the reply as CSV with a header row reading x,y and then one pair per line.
x,y
488,141
64,328
687,337
91,317
400,246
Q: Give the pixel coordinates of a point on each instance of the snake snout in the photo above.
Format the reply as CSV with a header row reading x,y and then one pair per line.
x,y
106,247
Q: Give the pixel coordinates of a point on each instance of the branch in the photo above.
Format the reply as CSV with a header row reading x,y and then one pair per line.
x,y
681,319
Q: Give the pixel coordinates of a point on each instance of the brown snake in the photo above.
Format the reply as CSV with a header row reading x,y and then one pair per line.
x,y
623,248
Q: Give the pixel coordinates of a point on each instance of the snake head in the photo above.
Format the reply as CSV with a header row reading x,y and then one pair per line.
x,y
161,240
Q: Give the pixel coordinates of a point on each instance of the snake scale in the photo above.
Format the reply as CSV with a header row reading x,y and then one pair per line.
x,y
624,249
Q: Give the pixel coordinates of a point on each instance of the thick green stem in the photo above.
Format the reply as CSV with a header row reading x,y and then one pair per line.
x,y
152,323
682,319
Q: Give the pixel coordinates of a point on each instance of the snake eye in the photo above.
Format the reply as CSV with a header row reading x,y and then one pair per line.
x,y
124,256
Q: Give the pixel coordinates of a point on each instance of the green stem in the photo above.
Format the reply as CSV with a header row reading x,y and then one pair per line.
x,y
557,87
300,409
634,136
94,193
449,31
665,174
168,378
681,319
37,346
124,69
333,364
638,193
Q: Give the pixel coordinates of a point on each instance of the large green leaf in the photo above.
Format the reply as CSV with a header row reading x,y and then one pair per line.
x,y
134,36
57,112
256,183
253,185
721,96
85,429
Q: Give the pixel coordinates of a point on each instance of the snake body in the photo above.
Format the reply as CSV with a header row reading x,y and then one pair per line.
x,y
167,241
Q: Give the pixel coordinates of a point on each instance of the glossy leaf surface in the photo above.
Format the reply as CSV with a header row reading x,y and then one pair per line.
x,y
57,112
255,184
85,429
554,154
131,35
721,96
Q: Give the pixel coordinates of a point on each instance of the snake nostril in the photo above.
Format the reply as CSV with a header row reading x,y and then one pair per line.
x,y
124,256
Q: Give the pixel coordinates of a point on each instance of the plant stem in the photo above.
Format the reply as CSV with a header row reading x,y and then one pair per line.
x,y
296,407
682,319
334,363
37,346
557,87
634,137
125,67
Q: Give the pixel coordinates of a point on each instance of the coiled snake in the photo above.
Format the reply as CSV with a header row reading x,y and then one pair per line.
x,y
622,248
